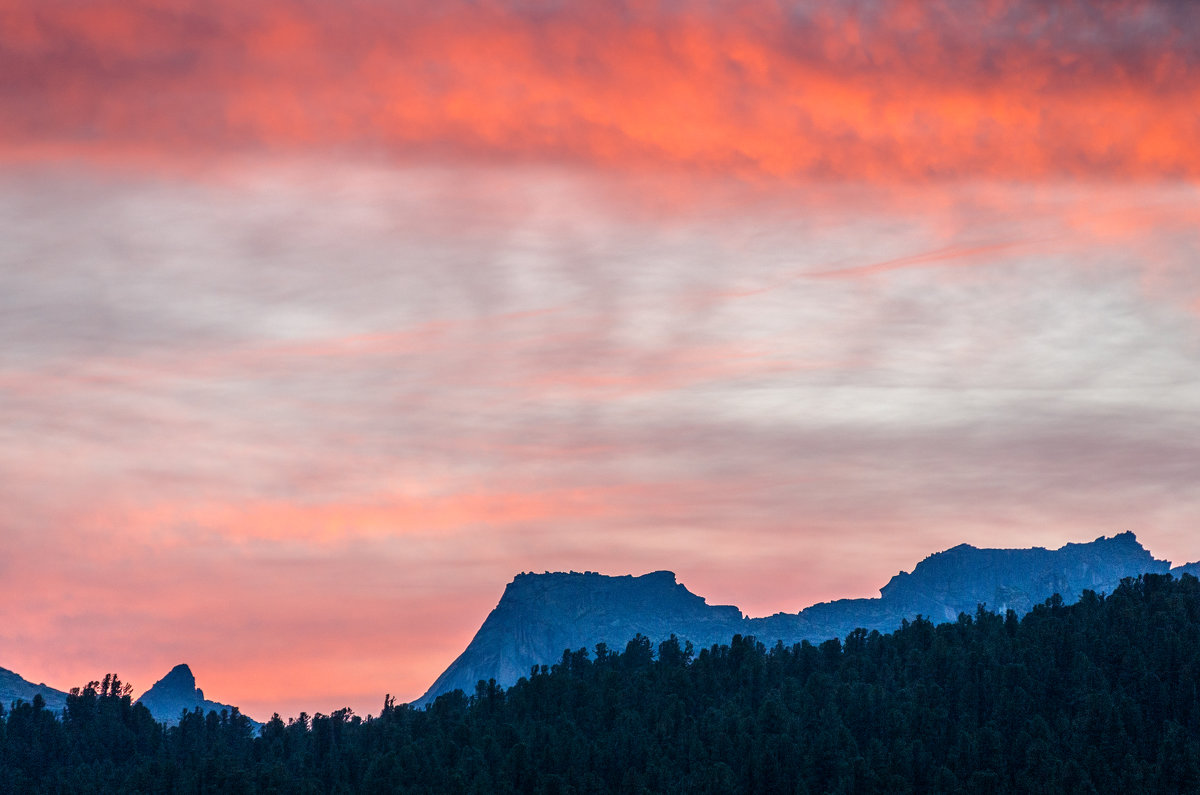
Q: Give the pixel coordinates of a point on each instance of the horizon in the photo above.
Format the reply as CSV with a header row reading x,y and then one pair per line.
x,y
321,321
140,692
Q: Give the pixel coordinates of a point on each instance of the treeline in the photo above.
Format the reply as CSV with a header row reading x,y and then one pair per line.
x,y
1099,696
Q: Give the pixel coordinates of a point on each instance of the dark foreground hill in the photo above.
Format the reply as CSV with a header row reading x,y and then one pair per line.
x,y
539,615
1096,697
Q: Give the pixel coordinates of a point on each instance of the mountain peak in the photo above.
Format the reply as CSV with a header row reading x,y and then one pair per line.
x,y
179,683
540,615
176,693
179,678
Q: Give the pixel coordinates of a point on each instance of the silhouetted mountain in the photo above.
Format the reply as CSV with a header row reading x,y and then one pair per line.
x,y
13,687
1094,697
1187,568
177,692
541,615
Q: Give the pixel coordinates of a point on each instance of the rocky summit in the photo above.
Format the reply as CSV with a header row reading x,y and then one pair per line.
x,y
176,693
541,615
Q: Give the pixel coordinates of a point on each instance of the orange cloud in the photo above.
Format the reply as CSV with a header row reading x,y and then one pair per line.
x,y
851,89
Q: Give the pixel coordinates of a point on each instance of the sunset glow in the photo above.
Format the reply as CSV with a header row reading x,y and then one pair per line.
x,y
887,91
323,320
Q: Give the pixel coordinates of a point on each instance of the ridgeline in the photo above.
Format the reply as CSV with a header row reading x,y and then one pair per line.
x,y
1098,696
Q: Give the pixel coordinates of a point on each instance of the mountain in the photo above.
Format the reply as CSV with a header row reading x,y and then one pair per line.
x,y
13,687
541,615
177,692
1187,568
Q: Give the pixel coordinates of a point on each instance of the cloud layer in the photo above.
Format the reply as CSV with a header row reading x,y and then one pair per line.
x,y
322,320
300,428
864,89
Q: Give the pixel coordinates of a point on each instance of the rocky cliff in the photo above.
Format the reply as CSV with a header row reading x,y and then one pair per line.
x,y
541,615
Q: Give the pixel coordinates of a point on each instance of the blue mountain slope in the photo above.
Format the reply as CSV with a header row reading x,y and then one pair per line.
x,y
14,687
541,615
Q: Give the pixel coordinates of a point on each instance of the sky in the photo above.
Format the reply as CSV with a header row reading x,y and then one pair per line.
x,y
321,321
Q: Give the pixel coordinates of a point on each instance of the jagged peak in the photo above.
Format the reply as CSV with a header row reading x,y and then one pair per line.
x,y
180,671
955,558
179,676
1126,539
179,681
1130,539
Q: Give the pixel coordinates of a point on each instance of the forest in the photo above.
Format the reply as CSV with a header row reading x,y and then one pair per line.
x,y
1098,696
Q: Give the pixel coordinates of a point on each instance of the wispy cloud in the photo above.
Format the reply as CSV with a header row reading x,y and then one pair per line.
x,y
369,411
322,320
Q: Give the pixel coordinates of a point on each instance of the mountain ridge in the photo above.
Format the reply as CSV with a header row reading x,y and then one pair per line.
x,y
540,615
14,687
166,699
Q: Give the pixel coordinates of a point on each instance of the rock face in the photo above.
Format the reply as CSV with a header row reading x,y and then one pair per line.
x,y
540,616
176,693
13,687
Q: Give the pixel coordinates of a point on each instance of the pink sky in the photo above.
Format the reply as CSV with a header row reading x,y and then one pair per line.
x,y
323,320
